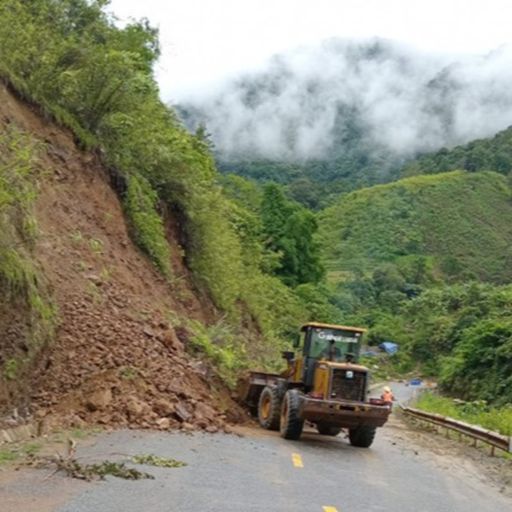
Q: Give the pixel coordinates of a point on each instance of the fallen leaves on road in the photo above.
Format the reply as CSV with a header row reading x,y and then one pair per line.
x,y
154,460
88,472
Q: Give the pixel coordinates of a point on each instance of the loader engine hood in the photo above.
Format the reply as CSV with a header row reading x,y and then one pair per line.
x,y
340,381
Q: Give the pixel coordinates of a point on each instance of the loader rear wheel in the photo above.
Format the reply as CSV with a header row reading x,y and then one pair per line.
x,y
291,422
269,408
327,430
362,436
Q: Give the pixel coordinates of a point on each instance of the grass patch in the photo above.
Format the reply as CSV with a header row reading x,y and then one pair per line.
x,y
8,455
13,453
498,419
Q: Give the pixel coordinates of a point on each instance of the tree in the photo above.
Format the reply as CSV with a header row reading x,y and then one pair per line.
x,y
288,231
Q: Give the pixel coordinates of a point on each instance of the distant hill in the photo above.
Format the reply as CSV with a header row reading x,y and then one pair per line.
x,y
460,222
493,153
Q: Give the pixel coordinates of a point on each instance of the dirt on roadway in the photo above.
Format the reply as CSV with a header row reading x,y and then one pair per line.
x,y
404,470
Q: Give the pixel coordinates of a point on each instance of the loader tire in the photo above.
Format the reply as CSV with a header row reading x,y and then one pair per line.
x,y
291,422
269,408
327,430
362,436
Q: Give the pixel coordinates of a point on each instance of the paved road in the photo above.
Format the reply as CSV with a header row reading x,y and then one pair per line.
x,y
262,472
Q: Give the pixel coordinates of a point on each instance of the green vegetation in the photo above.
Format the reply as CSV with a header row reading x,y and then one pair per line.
x,y
476,413
347,166
155,460
21,284
88,472
15,452
493,154
455,225
148,227
71,59
463,334
8,455
288,231
460,334
221,346
409,259
100,471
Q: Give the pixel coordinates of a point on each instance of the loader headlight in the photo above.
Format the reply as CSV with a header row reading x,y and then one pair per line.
x,y
349,374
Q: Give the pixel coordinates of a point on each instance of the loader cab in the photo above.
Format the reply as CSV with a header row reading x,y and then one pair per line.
x,y
326,342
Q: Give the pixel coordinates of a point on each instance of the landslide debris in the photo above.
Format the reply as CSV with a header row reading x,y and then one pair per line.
x,y
119,357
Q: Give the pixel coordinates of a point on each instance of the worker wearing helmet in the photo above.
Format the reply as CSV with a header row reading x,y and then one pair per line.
x,y
387,395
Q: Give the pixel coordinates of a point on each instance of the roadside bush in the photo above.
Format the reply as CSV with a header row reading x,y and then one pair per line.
x,y
149,233
498,419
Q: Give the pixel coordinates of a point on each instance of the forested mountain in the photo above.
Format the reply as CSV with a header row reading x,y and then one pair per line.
x,y
494,153
344,115
409,259
458,223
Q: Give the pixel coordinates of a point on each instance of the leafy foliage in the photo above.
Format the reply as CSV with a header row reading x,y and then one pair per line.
x,y
404,258
459,333
155,460
492,154
475,412
71,59
288,231
458,223
20,281
253,249
140,205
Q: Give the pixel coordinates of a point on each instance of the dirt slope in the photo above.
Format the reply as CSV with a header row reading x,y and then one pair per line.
x,y
116,358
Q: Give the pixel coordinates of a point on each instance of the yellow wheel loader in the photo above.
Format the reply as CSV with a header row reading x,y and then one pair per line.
x,y
323,385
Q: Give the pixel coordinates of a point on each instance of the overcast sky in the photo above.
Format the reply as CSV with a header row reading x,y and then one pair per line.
x,y
204,41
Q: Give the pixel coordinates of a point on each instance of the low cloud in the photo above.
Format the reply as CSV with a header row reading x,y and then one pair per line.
x,y
306,103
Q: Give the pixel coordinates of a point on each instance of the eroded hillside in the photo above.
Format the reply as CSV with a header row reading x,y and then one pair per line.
x,y
118,355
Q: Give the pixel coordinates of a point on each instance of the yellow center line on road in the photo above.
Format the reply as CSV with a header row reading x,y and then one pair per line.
x,y
297,460
329,509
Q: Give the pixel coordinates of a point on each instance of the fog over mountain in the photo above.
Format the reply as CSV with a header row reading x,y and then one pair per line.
x,y
312,102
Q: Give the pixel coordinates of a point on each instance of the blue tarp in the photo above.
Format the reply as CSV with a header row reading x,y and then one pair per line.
x,y
389,347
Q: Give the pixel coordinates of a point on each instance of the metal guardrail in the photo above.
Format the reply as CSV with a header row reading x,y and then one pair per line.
x,y
477,433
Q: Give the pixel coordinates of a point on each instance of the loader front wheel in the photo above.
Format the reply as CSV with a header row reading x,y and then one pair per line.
x,y
269,408
291,422
362,436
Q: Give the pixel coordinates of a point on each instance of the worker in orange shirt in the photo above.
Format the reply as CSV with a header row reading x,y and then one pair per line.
x,y
387,395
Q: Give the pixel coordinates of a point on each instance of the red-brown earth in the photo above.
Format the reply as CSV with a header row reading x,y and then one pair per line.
x,y
117,358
